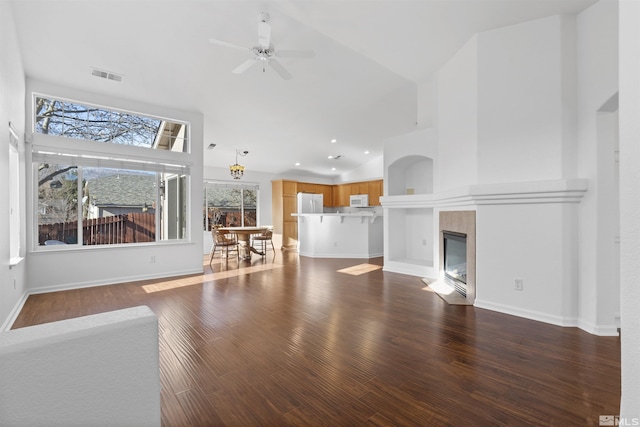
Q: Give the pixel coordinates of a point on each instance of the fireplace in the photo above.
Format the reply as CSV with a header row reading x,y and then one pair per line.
x,y
455,260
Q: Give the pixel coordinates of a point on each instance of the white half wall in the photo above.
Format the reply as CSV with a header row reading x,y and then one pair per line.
x,y
99,370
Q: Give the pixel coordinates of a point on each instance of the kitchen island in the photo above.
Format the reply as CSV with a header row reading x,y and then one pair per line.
x,y
340,235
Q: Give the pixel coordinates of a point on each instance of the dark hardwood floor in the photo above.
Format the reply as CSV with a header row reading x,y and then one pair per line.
x,y
292,341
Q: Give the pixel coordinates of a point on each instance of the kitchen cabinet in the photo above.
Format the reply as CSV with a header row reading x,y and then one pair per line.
x,y
374,189
283,204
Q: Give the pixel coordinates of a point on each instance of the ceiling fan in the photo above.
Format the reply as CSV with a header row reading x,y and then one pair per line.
x,y
264,53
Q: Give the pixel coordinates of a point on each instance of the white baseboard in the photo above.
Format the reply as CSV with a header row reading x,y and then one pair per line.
x,y
527,314
111,281
569,322
8,323
338,255
601,330
13,315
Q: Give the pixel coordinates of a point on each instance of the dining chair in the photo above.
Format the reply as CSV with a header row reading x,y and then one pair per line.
x,y
225,242
263,238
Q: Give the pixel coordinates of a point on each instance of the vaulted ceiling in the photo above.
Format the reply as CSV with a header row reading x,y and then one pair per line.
x,y
359,88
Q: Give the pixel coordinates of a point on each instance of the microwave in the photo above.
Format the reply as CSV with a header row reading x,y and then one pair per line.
x,y
359,200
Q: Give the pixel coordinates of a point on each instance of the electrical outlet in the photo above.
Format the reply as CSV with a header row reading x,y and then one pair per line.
x,y
14,283
335,244
152,260
518,285
424,242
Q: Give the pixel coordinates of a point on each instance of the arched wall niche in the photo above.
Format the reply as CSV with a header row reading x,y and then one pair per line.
x,y
410,175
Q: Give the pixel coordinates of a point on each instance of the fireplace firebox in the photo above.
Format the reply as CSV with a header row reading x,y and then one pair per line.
x,y
455,261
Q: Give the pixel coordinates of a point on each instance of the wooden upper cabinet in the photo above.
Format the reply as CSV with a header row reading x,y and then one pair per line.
x,y
336,195
327,192
374,191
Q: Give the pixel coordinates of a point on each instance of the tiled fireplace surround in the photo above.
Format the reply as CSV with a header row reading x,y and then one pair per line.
x,y
461,222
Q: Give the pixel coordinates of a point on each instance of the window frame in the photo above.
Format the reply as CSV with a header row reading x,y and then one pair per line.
x,y
16,250
231,185
90,153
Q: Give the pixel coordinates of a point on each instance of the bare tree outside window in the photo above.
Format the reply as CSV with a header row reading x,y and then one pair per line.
x,y
70,120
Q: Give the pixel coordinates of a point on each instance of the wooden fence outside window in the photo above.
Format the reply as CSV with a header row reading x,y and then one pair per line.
x,y
137,227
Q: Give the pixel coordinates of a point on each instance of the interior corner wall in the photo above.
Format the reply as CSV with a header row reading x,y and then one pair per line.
x,y
521,110
597,83
12,107
67,269
457,119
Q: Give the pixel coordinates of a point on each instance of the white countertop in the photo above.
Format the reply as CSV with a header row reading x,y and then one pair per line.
x,y
367,214
364,216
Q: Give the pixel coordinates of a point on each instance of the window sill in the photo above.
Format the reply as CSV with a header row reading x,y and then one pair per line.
x,y
15,261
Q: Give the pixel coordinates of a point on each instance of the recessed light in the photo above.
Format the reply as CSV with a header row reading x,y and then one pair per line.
x,y
329,156
333,169
333,141
297,163
366,152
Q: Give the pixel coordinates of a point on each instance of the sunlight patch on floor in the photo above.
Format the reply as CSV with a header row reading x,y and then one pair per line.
x,y
445,291
195,280
357,270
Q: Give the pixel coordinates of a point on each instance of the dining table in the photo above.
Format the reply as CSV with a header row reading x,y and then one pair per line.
x,y
243,235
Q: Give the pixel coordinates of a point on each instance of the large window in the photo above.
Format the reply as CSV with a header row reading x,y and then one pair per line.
x,y
88,196
230,205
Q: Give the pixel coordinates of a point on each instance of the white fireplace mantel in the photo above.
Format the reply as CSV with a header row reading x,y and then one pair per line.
x,y
554,191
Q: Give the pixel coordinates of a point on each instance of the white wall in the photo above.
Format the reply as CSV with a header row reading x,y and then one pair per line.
x,y
94,370
597,82
536,243
520,110
426,103
373,169
65,269
12,87
457,119
629,17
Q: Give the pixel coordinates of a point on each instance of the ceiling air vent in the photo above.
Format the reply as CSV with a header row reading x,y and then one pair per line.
x,y
107,75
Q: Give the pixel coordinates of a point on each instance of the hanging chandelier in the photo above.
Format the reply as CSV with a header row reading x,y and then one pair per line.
x,y
236,169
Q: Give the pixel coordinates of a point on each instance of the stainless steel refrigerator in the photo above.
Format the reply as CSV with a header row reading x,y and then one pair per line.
x,y
310,203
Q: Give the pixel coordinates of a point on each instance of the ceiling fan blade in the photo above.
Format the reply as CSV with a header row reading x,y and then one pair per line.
x,y
280,70
295,53
264,30
227,44
244,66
